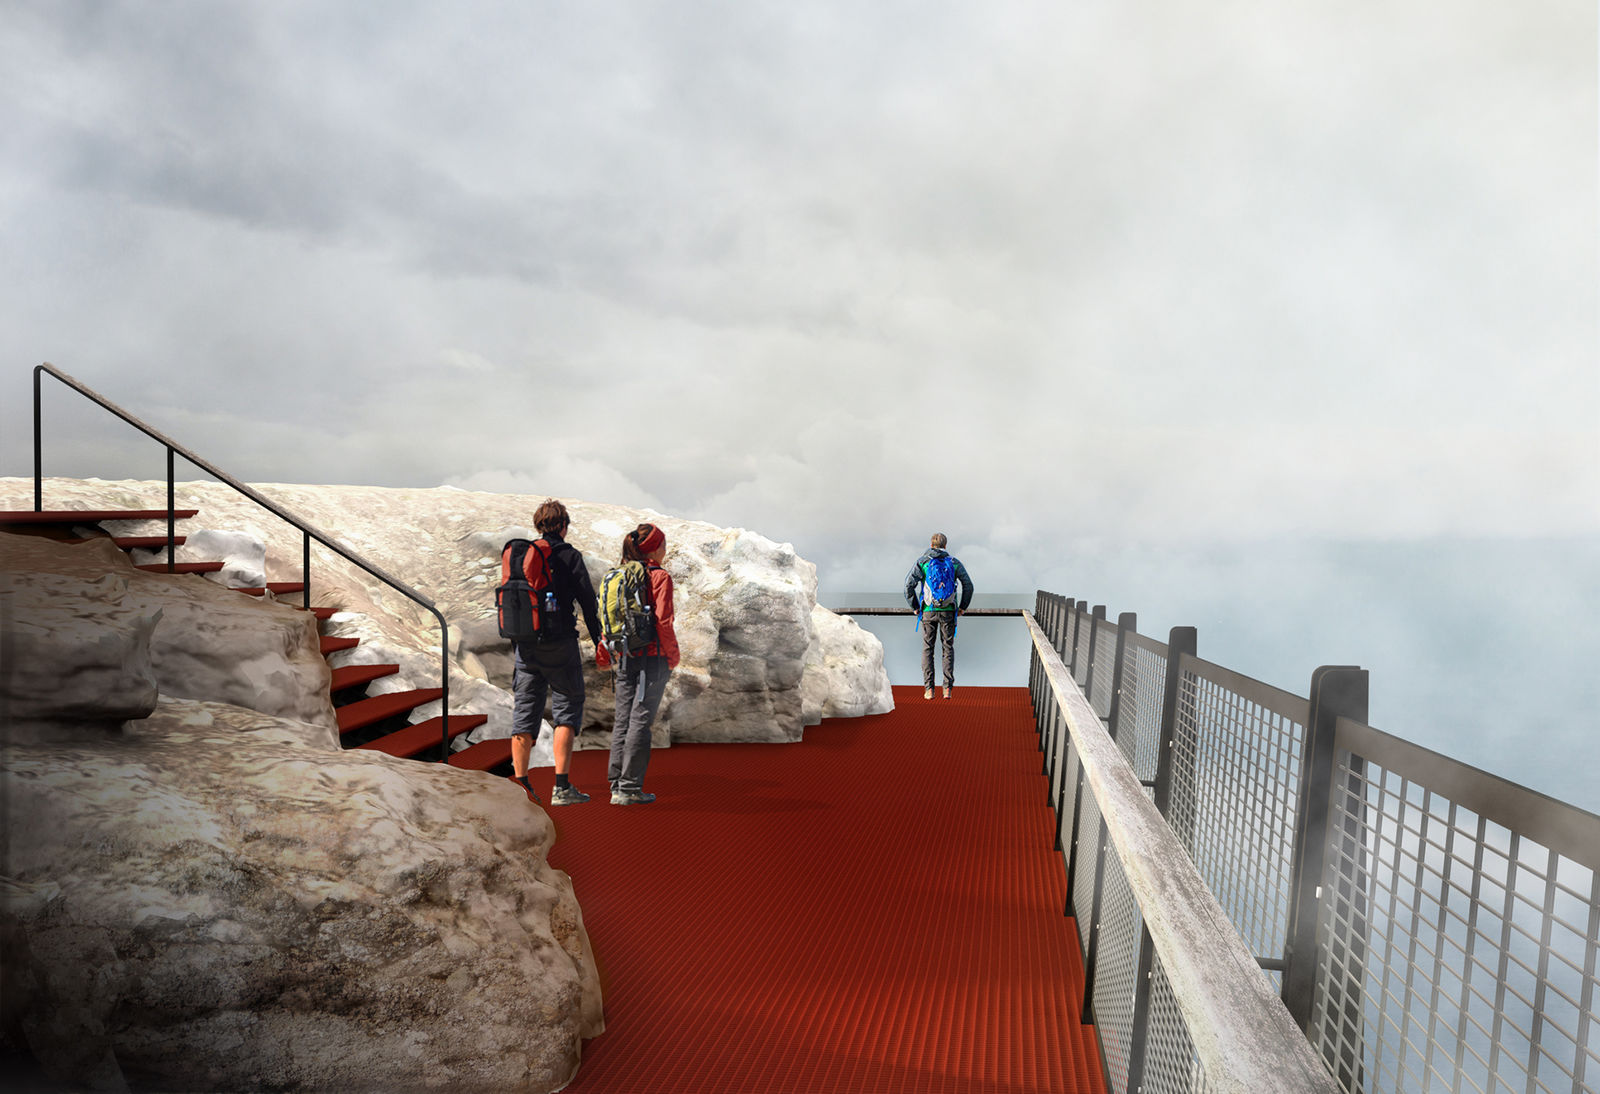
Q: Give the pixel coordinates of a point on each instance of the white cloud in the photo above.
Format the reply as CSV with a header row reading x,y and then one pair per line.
x,y
561,475
837,274
466,360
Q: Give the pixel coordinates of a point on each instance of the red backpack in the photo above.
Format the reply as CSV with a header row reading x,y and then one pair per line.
x,y
525,597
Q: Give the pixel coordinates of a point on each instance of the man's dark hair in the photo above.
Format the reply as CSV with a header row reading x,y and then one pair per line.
x,y
551,517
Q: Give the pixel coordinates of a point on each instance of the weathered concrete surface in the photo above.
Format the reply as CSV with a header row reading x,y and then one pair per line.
x,y
205,901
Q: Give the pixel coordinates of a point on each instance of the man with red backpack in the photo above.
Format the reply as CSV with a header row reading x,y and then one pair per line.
x,y
931,592
549,660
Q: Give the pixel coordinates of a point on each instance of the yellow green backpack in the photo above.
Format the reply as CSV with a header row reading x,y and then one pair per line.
x,y
627,621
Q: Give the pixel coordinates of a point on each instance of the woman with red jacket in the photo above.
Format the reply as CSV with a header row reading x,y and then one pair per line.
x,y
641,677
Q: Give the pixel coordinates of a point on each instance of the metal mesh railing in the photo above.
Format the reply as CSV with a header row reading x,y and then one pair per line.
x,y
1139,715
1146,1027
1457,953
1089,839
1105,664
1236,774
1430,926
1116,964
1171,1064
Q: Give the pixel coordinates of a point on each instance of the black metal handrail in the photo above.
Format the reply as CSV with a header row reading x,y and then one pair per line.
x,y
308,530
1013,612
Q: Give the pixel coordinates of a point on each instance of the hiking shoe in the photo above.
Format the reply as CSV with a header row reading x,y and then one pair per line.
x,y
567,795
947,693
522,781
631,797
927,693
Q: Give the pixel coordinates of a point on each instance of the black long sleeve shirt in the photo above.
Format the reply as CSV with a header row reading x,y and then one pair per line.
x,y
573,590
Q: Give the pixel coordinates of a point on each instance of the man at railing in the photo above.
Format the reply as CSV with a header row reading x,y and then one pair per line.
x,y
931,592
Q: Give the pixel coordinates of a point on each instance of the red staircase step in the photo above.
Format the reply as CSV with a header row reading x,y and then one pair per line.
x,y
422,736
355,675
367,711
321,613
334,645
483,755
148,543
182,568
276,587
87,516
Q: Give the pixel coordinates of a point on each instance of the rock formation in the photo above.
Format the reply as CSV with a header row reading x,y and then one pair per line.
x,y
761,660
201,890
196,895
210,899
203,640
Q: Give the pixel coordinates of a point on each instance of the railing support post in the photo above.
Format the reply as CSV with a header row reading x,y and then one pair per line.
x,y
1095,617
172,516
1075,631
1180,641
1336,691
1045,609
38,447
1127,622
444,689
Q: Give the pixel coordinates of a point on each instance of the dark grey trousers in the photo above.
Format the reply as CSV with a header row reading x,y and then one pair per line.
x,y
942,624
641,681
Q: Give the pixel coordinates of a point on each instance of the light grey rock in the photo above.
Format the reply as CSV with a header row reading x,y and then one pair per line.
x,y
746,606
74,649
243,555
844,677
207,642
205,901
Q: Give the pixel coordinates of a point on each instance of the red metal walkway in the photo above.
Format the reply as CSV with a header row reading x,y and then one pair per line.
x,y
877,909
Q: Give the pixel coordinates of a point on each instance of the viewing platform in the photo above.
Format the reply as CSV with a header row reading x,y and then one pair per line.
x,y
1143,871
878,908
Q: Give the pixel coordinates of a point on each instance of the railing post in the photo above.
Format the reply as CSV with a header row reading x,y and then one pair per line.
x,y
1095,617
1033,671
1336,691
1180,641
38,447
172,518
1074,627
1046,615
444,689
1126,624
305,568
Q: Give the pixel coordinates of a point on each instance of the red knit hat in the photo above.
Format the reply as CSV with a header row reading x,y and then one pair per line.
x,y
650,540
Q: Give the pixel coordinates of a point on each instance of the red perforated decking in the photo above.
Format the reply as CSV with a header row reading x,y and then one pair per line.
x,y
877,909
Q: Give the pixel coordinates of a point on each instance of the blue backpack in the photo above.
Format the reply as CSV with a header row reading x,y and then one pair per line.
x,y
939,582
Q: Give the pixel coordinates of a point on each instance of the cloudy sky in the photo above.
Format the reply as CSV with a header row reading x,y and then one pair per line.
x,y
1061,279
